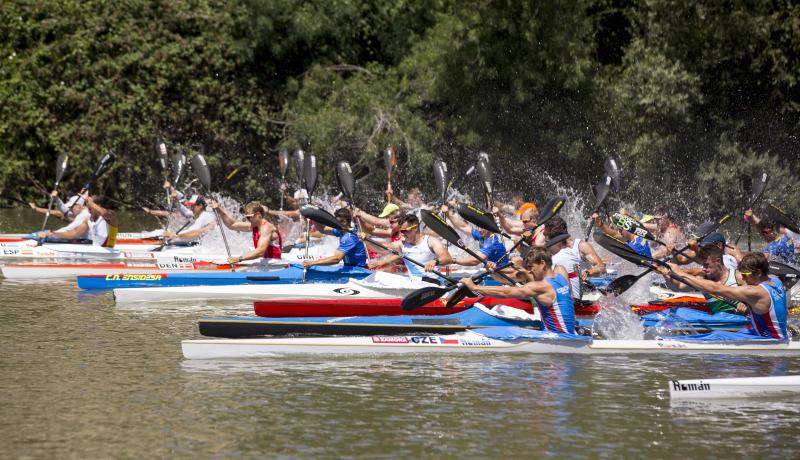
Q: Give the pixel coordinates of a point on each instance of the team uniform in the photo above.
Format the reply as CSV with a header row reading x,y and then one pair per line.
x,y
781,248
102,233
570,258
560,316
492,246
641,246
274,250
772,323
717,305
355,253
422,253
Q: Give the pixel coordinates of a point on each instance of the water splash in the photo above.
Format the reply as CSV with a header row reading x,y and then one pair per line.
x,y
616,321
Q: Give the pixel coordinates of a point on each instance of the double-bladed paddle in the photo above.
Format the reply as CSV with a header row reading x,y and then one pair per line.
x,y
102,167
200,168
236,175
283,164
759,185
61,166
309,172
325,218
161,150
426,295
347,184
621,249
440,176
625,282
612,169
299,158
389,163
788,274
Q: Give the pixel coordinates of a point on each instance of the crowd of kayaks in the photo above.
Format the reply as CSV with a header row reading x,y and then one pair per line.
x,y
355,310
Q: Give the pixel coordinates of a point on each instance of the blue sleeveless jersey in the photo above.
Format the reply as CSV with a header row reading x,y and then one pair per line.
x,y
782,248
492,247
640,245
773,323
559,317
355,253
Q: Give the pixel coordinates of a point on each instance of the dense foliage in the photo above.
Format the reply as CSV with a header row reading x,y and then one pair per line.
x,y
693,97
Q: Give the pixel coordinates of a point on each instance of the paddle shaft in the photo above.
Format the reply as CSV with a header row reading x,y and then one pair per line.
x,y
404,257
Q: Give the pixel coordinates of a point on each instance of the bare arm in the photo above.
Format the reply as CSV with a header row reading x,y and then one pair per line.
x,y
228,220
590,255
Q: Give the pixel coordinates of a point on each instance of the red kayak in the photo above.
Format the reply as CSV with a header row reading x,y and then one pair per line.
x,y
391,307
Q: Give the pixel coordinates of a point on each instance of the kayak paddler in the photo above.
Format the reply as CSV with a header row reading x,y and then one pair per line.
x,y
549,289
577,256
528,213
204,222
425,249
637,243
491,244
351,250
77,213
266,238
384,225
779,242
100,227
763,294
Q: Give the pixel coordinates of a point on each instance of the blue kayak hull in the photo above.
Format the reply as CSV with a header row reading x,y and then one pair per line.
x,y
292,274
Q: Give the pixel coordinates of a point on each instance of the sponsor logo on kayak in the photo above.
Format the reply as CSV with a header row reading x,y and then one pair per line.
x,y
448,341
346,291
475,342
388,339
184,259
11,252
127,277
678,386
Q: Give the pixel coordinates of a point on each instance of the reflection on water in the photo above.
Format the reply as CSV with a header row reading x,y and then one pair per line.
x,y
82,378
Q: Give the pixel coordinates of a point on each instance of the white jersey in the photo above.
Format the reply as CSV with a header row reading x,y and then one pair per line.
x,y
79,219
570,258
422,253
205,218
98,231
730,262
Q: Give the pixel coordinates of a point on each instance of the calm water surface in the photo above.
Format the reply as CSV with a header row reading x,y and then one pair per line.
x,y
81,378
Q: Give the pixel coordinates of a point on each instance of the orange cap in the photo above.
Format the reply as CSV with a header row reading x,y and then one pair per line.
x,y
524,207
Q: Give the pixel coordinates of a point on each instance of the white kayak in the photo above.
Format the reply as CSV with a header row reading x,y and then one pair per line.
x,y
470,342
379,285
162,265
734,387
122,236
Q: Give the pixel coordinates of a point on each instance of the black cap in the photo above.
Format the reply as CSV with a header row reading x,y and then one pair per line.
x,y
200,201
556,239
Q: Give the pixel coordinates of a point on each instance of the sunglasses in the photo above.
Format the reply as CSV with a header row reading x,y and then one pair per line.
x,y
525,221
394,221
249,216
746,273
406,230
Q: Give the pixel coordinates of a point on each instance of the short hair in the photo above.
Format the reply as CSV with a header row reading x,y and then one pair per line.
x,y
409,219
538,254
255,207
664,210
711,251
344,214
555,226
766,223
754,262
102,201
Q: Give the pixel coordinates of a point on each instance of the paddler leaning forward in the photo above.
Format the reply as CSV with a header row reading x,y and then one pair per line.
x,y
764,295
549,288
425,249
267,241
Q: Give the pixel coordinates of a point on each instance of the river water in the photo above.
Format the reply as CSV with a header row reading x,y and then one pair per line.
x,y
81,378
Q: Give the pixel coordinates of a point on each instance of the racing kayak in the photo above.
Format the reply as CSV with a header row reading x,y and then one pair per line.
x,y
377,285
148,237
478,316
694,318
494,340
734,388
285,273
123,270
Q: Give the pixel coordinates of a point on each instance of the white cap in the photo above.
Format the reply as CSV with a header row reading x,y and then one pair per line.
x,y
73,200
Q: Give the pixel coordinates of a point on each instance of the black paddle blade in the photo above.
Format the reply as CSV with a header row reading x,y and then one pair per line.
x,y
299,158
440,176
423,296
161,151
361,173
759,184
478,218
178,165
779,215
344,175
601,192
61,166
485,173
389,161
631,225
440,227
236,176
310,173
788,275
320,216
283,161
612,168
461,293
619,248
201,169
104,164
622,284
550,209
